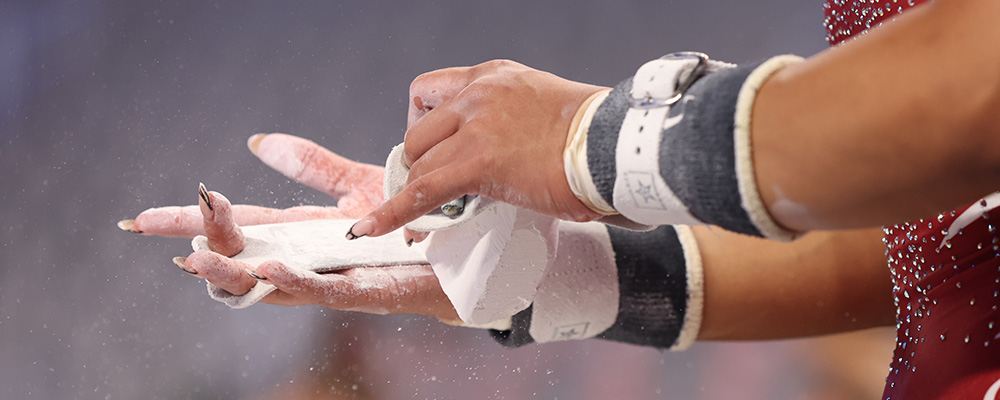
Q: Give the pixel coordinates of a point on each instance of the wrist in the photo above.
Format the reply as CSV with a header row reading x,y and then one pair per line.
x,y
578,175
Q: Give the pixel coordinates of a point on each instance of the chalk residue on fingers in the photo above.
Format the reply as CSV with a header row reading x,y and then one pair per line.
x,y
374,290
171,221
224,236
226,273
188,221
357,186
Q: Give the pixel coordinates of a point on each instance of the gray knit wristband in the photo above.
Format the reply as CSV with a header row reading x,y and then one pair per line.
x,y
689,161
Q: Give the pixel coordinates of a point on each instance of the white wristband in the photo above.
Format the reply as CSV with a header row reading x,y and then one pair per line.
x,y
575,158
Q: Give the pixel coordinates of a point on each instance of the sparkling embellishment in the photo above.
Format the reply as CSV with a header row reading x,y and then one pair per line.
x,y
849,19
913,276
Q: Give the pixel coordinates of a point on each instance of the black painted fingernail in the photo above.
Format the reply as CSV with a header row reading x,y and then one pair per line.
x,y
350,234
361,228
254,275
128,225
203,192
409,242
179,262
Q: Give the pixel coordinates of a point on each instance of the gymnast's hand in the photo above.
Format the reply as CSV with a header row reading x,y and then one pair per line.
x,y
497,129
358,188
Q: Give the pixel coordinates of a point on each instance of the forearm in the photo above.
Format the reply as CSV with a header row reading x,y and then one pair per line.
x,y
825,282
675,285
898,124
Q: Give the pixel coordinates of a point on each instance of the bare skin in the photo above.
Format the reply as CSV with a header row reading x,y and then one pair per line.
x,y
486,130
905,115
358,188
824,282
754,288
377,290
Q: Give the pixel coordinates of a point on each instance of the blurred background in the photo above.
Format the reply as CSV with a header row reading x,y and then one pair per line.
x,y
111,107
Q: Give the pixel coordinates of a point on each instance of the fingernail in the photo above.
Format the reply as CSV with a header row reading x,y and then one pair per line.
x,y
128,225
409,242
179,262
254,142
360,229
254,275
203,193
420,236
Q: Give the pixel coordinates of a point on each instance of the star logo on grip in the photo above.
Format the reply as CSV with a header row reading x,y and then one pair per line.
x,y
567,332
644,194
645,191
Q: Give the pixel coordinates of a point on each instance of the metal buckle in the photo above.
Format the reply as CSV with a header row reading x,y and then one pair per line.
x,y
652,102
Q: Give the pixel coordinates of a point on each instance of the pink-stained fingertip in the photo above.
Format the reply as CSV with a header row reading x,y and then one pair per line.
x,y
180,261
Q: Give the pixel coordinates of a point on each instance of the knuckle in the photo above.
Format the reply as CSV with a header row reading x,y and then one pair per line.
x,y
419,82
269,267
490,65
202,259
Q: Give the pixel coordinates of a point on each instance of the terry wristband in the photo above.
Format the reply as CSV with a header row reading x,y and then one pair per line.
x,y
672,145
660,294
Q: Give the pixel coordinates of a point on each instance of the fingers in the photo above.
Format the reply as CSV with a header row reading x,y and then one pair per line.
x,y
187,222
376,290
443,174
224,272
357,186
304,287
418,198
184,222
427,132
224,235
411,237
431,90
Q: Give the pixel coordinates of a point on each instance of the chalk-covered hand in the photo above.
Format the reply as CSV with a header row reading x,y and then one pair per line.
x,y
358,188
497,129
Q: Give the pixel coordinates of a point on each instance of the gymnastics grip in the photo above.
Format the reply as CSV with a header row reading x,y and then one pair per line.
x,y
671,146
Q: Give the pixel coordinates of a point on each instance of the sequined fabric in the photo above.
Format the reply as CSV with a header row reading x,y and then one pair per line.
x,y
945,272
845,19
946,282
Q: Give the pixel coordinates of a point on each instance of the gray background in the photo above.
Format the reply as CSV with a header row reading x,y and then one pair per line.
x,y
111,107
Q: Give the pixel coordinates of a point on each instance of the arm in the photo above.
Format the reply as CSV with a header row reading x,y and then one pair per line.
x,y
825,282
735,287
904,115
753,289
